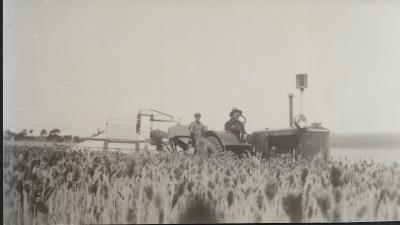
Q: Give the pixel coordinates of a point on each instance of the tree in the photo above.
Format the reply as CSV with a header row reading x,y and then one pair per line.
x,y
43,132
68,138
60,138
8,134
31,132
76,139
55,131
21,134
54,135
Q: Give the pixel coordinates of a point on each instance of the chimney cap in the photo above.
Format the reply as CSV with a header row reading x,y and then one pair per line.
x,y
301,81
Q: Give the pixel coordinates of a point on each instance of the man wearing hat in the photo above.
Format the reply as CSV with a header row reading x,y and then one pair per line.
x,y
196,128
234,125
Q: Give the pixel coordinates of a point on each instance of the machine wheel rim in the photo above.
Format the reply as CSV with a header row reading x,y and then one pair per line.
x,y
217,145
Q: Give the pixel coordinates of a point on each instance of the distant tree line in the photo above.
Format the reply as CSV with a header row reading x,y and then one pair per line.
x,y
53,135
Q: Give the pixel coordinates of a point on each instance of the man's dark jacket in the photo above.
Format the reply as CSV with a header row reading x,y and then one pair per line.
x,y
236,127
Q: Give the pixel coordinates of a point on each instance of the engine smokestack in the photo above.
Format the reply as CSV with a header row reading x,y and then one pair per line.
x,y
301,83
291,110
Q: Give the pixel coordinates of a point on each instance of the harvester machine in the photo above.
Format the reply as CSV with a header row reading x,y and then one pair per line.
x,y
177,137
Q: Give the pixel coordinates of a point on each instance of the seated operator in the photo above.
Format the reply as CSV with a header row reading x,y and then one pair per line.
x,y
235,126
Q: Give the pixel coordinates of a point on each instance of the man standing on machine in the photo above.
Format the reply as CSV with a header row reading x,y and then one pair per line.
x,y
196,128
235,126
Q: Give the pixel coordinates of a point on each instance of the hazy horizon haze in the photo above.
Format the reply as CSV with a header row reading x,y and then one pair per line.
x,y
72,64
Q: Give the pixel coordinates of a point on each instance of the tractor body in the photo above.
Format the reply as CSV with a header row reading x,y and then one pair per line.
x,y
306,142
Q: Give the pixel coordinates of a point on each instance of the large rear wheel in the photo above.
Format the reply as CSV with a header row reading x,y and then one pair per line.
x,y
209,146
216,144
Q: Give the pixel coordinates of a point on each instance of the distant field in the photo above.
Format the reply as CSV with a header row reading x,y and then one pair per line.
x,y
337,140
34,143
367,140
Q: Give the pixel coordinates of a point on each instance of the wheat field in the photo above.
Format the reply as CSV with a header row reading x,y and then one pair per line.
x,y
48,185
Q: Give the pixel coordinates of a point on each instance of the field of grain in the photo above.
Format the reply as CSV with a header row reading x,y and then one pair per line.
x,y
54,185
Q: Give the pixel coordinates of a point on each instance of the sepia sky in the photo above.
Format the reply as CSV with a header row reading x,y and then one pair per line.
x,y
74,64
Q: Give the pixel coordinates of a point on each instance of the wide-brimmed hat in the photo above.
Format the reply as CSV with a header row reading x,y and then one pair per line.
x,y
235,110
197,115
